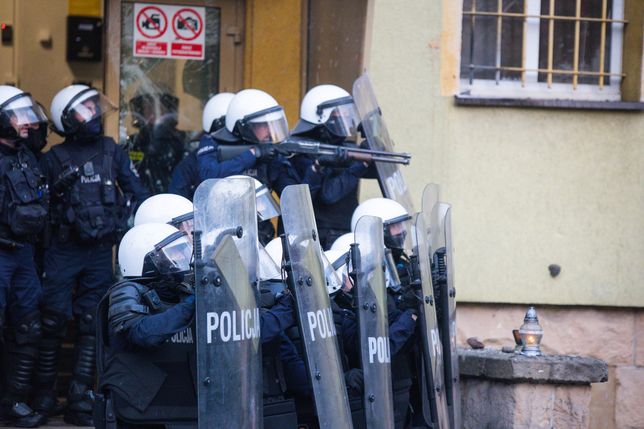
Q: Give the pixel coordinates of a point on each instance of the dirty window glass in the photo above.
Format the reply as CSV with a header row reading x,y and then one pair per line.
x,y
161,99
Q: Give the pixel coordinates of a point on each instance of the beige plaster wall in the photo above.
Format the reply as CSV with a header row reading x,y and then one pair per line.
x,y
529,187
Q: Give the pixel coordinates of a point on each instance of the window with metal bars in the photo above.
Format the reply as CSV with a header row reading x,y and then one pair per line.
x,y
542,49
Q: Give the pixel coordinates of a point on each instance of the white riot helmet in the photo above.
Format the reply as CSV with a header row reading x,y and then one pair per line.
x,y
394,219
274,250
335,269
254,117
19,113
268,268
267,207
79,109
214,112
343,242
166,208
331,107
154,249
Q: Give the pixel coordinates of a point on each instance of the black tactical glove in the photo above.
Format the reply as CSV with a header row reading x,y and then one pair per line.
x,y
265,152
354,379
408,300
334,161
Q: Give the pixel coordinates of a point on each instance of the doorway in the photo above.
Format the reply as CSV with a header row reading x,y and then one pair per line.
x,y
160,95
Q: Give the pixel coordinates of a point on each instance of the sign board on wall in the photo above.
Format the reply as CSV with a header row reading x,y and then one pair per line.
x,y
165,31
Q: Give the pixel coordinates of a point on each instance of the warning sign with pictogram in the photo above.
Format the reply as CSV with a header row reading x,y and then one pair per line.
x,y
167,31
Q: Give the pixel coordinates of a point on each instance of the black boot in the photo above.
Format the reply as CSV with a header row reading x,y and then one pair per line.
x,y
80,399
45,400
54,327
20,357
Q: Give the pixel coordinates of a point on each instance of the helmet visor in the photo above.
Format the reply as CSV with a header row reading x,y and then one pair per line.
x,y
395,232
266,126
172,255
268,269
22,111
184,223
343,119
86,106
267,207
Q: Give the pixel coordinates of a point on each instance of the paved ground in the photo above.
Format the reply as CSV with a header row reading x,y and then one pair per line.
x,y
58,423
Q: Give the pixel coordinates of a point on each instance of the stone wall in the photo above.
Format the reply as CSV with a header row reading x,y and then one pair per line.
x,y
610,334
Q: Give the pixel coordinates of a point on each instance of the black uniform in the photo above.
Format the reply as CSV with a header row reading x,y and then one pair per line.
x,y
88,214
155,151
147,362
23,214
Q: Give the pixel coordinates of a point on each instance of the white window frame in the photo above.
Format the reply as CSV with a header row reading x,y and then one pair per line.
x,y
532,88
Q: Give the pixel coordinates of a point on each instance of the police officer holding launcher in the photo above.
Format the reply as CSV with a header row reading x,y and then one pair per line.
x,y
88,174
23,214
328,115
254,118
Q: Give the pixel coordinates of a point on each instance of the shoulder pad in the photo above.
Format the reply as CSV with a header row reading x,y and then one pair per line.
x,y
126,304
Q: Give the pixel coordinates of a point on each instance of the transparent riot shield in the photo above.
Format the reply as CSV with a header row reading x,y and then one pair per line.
x,y
431,344
229,368
431,196
392,183
368,257
306,279
443,270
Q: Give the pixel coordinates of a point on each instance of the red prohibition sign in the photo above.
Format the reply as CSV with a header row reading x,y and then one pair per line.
x,y
192,25
154,21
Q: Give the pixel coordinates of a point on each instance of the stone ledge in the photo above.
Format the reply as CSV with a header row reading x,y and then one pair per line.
x,y
516,368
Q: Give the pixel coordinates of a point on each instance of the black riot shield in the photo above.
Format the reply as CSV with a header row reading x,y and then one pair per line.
x,y
392,183
443,272
433,378
368,257
306,279
229,368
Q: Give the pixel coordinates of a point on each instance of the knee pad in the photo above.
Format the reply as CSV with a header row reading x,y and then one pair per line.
x,y
54,323
28,330
87,324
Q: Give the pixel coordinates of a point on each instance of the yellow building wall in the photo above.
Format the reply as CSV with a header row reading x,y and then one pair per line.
x,y
528,187
273,51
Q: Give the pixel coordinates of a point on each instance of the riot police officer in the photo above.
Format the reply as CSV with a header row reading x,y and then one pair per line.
x,y
253,118
23,214
88,211
185,177
158,146
328,115
402,304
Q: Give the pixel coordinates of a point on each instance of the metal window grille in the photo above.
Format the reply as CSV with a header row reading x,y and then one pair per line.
x,y
543,43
